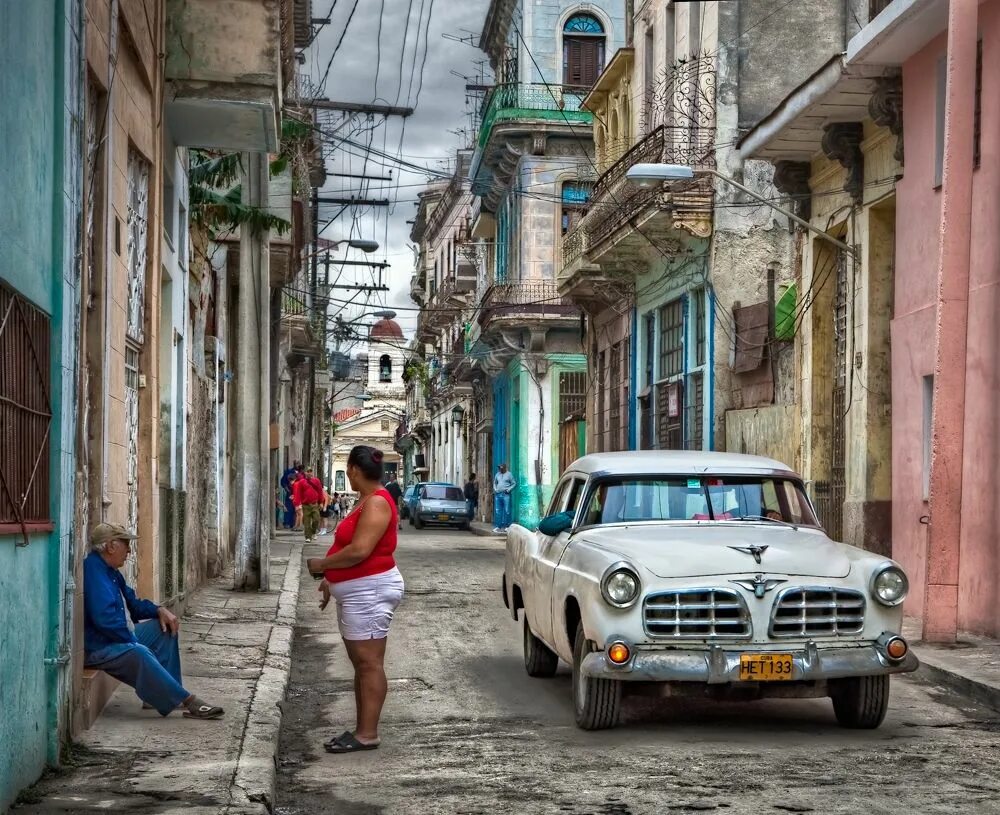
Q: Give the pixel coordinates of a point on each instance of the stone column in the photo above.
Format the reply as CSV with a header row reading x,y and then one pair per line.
x,y
948,436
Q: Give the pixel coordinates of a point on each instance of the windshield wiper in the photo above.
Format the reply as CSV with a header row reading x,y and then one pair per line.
x,y
766,519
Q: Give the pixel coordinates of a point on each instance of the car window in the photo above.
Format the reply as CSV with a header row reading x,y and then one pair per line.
x,y
714,498
576,491
436,493
559,496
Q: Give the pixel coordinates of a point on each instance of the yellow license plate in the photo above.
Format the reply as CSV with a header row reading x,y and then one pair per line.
x,y
765,667
443,517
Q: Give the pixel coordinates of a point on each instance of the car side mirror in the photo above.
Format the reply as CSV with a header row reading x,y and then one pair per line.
x,y
555,524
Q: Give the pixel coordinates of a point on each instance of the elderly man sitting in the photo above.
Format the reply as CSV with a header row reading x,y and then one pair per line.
x,y
148,659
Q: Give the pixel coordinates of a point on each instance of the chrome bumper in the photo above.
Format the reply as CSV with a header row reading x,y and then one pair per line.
x,y
717,666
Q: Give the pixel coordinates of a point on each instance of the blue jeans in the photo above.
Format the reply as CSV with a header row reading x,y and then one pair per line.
x,y
501,507
152,666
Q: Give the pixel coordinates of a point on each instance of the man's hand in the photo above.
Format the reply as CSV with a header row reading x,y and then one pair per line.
x,y
168,621
324,590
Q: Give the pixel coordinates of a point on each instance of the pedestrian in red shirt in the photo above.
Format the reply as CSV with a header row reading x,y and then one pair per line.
x,y
307,495
360,573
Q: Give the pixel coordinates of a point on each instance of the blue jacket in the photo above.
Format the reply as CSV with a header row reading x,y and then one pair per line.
x,y
105,597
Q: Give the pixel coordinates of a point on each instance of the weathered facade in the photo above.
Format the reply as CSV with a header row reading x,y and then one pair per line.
x,y
531,172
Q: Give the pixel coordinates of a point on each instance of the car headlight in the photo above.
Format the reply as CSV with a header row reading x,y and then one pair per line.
x,y
889,585
620,586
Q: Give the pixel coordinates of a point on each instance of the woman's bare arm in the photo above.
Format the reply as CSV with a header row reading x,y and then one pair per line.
x,y
374,521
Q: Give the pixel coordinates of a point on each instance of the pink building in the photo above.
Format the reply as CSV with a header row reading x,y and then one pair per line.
x,y
946,328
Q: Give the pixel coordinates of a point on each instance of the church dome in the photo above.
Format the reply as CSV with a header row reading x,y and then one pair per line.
x,y
386,329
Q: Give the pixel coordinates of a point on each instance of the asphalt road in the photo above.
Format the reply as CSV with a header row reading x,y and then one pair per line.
x,y
465,730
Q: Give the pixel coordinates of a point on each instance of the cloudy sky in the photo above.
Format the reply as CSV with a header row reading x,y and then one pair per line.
x,y
371,67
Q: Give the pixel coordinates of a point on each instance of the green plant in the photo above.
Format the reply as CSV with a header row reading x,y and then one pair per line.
x,y
215,197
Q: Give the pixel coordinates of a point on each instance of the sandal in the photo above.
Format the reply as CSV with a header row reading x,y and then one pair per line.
x,y
333,741
348,743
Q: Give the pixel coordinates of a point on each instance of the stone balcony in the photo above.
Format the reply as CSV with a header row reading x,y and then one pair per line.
x,y
525,304
626,223
224,73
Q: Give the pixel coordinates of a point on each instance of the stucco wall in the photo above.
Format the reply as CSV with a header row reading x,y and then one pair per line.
x,y
917,225
38,222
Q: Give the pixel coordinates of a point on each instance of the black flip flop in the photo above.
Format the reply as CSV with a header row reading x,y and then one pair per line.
x,y
348,744
333,741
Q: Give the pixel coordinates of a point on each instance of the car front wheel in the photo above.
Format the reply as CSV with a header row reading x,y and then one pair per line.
x,y
539,661
860,702
596,702
418,522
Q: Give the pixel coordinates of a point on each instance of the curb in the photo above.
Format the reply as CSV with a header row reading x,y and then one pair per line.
x,y
484,531
253,784
933,670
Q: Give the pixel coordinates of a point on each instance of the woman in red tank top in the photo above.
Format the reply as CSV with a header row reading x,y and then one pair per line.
x,y
360,573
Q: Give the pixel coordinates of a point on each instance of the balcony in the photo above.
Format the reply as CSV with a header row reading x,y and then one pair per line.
x,y
524,102
524,304
456,288
224,73
625,222
299,323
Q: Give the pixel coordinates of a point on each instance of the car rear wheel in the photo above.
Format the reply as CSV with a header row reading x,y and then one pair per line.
x,y
860,702
539,661
596,702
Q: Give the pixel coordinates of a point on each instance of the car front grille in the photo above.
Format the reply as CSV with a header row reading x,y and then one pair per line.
x,y
697,614
817,612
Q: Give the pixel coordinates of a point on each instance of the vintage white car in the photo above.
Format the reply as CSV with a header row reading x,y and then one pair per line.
x,y
705,574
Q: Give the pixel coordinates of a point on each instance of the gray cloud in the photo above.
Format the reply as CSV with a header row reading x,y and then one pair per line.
x,y
426,140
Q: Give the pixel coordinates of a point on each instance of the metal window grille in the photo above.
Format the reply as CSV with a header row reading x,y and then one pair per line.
x,y
572,394
700,338
696,411
834,520
25,414
138,229
669,429
672,339
131,447
650,344
614,399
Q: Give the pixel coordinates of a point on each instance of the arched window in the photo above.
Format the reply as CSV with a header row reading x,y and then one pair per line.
x,y
385,368
583,50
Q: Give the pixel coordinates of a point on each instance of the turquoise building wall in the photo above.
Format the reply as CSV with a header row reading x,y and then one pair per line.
x,y
39,228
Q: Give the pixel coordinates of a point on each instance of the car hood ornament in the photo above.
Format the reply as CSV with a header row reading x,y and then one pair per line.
x,y
753,549
760,585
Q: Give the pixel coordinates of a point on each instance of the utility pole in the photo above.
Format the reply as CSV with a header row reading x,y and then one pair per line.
x,y
251,443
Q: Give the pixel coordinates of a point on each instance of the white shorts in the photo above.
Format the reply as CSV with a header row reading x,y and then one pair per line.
x,y
365,605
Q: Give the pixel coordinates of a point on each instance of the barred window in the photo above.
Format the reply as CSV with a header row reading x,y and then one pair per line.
x,y
572,394
700,338
672,339
25,415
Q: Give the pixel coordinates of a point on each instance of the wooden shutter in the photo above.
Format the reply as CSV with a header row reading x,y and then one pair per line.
x,y
584,61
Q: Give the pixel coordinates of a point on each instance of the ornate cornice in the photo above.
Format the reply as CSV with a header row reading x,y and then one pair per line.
x,y
842,143
886,109
792,178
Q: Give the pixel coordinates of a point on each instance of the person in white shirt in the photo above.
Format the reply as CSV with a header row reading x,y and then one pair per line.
x,y
503,486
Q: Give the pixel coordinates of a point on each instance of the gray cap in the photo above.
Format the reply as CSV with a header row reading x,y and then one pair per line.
x,y
102,533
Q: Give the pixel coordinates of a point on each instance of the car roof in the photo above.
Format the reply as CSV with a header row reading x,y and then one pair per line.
x,y
435,484
660,462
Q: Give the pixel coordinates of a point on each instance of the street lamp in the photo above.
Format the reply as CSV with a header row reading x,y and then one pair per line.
x,y
363,245
457,414
651,176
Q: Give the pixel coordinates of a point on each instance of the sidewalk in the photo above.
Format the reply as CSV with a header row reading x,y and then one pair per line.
x,y
970,667
484,530
235,650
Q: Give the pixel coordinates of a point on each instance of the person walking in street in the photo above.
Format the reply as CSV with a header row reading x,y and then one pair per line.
x,y
503,486
324,512
393,488
147,659
335,508
472,495
287,479
361,575
307,495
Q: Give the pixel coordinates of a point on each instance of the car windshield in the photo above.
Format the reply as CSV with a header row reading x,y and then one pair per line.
x,y
443,494
704,498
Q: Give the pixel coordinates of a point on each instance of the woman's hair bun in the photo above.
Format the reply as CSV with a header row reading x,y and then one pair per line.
x,y
377,455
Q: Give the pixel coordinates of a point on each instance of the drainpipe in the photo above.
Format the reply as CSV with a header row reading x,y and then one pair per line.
x,y
629,23
940,623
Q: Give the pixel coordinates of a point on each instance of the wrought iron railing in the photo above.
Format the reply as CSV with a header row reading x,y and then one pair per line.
x,y
526,297
532,101
573,246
